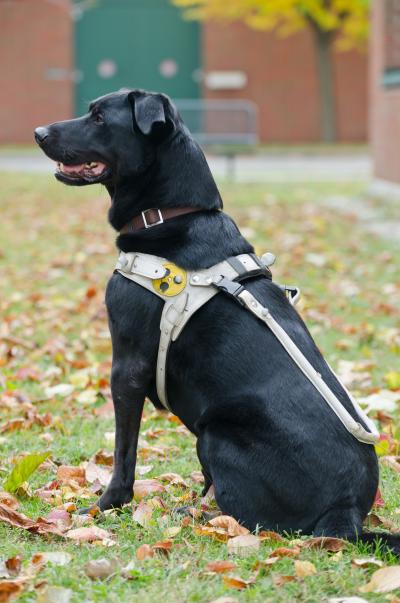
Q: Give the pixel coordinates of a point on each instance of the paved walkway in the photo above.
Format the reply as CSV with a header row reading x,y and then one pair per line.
x,y
259,168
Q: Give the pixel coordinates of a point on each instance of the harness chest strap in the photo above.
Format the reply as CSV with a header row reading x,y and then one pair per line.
x,y
200,287
180,301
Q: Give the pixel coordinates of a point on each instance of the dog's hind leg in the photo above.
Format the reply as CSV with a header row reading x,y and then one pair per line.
x,y
340,523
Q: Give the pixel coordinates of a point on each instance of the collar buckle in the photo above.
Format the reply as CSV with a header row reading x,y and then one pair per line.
x,y
151,224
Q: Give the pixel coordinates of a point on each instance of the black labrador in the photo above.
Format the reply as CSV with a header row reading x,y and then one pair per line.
x,y
277,455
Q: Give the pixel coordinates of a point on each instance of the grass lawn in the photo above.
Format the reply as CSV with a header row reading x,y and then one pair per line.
x,y
56,254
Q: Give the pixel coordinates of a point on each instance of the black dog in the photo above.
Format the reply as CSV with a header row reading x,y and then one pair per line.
x,y
277,455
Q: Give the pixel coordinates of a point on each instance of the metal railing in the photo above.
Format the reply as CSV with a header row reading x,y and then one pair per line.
x,y
220,122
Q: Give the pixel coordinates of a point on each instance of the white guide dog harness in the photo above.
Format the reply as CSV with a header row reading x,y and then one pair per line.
x,y
185,292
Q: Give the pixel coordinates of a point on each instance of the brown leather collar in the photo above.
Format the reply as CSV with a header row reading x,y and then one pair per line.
x,y
153,217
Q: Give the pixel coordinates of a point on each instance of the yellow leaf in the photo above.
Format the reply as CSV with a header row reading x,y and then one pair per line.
x,y
383,580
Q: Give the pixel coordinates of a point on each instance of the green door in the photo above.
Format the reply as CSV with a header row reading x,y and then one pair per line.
x,y
135,44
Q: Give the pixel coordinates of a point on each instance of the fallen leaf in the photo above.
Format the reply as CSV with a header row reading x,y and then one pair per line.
x,y
220,567
89,534
60,517
280,580
243,545
367,562
268,535
163,546
103,457
18,520
24,469
10,589
98,569
144,487
383,580
304,568
237,582
143,514
53,557
9,500
327,543
229,524
224,600
54,594
93,472
285,551
347,600
145,551
62,389
172,531
68,473
391,461
13,565
174,479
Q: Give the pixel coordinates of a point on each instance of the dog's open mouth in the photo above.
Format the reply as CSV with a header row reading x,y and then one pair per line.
x,y
83,173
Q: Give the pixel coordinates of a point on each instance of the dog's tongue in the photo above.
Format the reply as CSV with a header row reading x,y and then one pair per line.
x,y
96,168
73,169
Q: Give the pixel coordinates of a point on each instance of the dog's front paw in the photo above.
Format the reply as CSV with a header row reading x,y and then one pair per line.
x,y
114,498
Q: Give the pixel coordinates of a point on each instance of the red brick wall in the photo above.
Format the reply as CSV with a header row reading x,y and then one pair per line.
x,y
282,81
385,106
35,35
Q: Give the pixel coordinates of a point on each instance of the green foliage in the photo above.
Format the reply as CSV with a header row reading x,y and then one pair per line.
x,y
23,470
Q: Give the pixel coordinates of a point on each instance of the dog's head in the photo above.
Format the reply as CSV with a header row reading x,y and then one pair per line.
x,y
116,140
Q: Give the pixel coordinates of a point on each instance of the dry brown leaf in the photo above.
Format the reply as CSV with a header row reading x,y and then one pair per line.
x,y
237,582
265,563
89,534
8,500
220,567
229,524
173,478
243,545
268,535
367,562
391,461
18,520
98,569
197,477
60,517
285,551
216,533
383,580
304,568
376,521
53,557
68,473
103,457
163,546
280,580
144,487
327,543
13,565
145,551
54,594
143,514
10,589
93,472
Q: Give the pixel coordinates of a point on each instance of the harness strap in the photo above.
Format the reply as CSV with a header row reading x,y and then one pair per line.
x,y
246,299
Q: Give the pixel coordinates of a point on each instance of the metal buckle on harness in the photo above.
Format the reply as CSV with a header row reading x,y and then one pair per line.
x,y
229,287
160,218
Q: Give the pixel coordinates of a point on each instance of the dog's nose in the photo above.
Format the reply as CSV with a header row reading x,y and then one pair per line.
x,y
41,134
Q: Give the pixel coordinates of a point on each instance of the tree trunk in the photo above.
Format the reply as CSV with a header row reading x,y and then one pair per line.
x,y
323,40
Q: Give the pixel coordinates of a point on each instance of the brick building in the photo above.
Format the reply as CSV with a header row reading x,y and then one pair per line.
x,y
55,55
385,89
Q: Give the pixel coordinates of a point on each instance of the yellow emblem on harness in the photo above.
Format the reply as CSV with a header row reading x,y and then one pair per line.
x,y
172,283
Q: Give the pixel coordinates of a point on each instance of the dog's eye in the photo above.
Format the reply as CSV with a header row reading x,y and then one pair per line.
x,y
98,118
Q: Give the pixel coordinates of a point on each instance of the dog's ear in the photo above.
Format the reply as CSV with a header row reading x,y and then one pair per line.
x,y
151,114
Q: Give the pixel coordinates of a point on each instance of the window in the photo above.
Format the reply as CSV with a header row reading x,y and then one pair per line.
x,y
391,75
